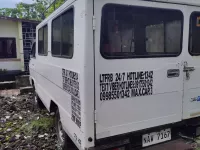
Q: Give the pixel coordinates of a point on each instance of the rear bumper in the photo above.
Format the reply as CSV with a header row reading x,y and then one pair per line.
x,y
171,145
134,139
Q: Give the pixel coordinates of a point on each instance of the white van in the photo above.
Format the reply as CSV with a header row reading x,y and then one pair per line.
x,y
119,72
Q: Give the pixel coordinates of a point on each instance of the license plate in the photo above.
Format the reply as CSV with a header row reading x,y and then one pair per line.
x,y
156,137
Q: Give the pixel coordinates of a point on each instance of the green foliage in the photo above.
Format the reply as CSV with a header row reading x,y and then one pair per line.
x,y
32,11
43,124
54,6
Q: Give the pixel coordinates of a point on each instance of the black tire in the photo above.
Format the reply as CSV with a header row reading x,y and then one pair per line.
x,y
65,143
37,103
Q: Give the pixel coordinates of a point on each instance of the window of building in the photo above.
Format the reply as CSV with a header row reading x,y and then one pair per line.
x,y
63,35
8,48
43,40
130,31
194,45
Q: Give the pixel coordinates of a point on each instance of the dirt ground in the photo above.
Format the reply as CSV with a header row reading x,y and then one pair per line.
x,y
24,127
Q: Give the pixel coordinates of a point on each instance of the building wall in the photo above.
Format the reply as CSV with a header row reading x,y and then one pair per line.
x,y
10,29
24,33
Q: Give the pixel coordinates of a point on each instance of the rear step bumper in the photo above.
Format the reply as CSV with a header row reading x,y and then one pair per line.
x,y
178,144
134,140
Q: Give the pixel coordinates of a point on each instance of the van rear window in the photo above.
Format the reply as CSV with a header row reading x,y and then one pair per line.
x,y
194,46
130,31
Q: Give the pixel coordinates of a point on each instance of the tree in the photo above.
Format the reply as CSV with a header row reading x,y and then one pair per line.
x,y
41,6
52,6
11,12
35,11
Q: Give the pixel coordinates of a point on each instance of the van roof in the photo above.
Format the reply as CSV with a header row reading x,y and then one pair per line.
x,y
182,2
185,2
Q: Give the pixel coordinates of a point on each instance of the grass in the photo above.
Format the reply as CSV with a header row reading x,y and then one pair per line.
x,y
42,124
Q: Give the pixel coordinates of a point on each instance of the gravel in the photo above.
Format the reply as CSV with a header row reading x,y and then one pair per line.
x,y
22,127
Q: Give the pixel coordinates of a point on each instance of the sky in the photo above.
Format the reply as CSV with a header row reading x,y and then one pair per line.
x,y
11,3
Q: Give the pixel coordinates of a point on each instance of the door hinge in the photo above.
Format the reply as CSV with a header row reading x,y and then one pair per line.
x,y
93,22
95,116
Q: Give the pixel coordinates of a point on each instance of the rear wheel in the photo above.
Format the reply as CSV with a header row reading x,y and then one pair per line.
x,y
37,103
64,140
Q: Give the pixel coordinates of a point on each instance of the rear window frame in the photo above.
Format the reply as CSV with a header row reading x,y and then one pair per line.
x,y
190,36
140,56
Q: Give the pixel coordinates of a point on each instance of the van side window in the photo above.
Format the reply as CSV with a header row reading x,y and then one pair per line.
x,y
56,37
194,46
63,35
43,41
33,51
130,31
40,41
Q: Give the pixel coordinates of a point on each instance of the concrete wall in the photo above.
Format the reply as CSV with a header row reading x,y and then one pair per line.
x,y
12,29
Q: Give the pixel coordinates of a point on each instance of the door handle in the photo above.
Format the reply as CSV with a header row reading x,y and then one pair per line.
x,y
171,73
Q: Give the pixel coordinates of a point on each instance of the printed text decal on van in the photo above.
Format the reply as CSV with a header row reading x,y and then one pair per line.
x,y
125,85
71,86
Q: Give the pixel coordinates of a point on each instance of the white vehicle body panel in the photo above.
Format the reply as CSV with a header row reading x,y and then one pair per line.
x,y
190,2
191,103
137,113
168,102
46,71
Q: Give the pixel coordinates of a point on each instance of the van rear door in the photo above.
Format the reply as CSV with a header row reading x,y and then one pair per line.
x,y
138,77
191,103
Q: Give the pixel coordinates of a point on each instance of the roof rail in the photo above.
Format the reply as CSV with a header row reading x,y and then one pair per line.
x,y
52,7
